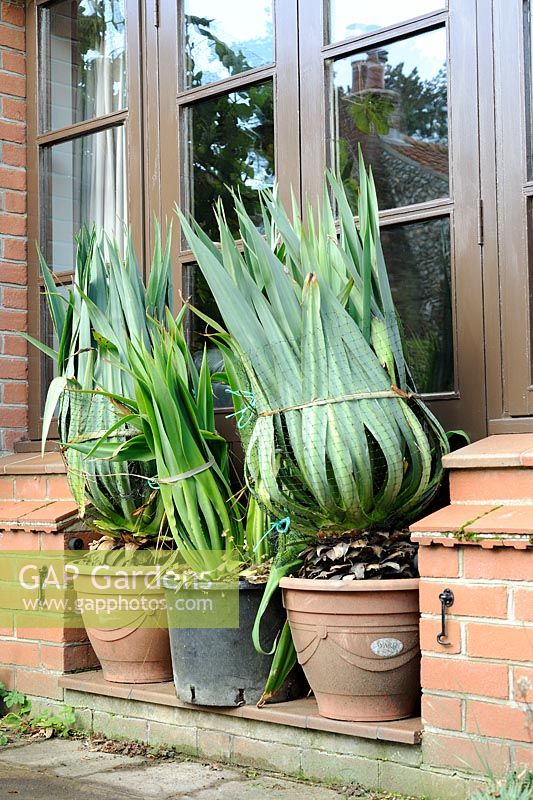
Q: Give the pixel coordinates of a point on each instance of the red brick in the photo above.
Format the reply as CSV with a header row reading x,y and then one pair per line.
x,y
465,677
442,712
18,540
11,368
9,37
14,14
30,488
15,346
68,659
40,684
12,225
12,321
523,605
523,757
508,642
14,155
13,273
16,393
14,62
13,417
438,562
500,563
58,488
12,179
429,628
469,600
15,249
23,654
465,753
14,297
6,488
493,719
14,109
11,436
12,132
15,202
7,677
12,84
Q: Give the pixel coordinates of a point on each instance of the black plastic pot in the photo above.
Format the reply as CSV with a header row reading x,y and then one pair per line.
x,y
220,666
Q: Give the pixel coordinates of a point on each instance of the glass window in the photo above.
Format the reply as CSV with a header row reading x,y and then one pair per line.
x,y
86,183
393,102
351,18
231,144
223,39
85,61
418,262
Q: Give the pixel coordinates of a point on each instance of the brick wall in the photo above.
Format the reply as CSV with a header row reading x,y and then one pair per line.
x,y
476,707
13,272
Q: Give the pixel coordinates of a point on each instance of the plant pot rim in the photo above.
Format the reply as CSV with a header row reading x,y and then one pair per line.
x,y
318,585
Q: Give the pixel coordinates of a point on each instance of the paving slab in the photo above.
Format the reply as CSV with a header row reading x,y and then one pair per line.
x,y
265,789
164,780
27,783
65,758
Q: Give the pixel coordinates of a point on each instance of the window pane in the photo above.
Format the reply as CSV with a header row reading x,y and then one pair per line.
x,y
223,39
231,144
86,45
85,182
394,103
418,262
351,18
199,293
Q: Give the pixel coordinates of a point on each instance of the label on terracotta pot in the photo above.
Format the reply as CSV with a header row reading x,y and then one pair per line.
x,y
386,648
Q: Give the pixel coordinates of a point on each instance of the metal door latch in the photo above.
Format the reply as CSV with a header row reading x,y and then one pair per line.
x,y
446,601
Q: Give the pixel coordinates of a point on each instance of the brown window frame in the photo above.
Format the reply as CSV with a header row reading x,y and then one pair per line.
x,y
130,118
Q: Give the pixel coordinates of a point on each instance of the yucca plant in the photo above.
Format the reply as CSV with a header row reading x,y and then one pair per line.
x,y
106,306
338,442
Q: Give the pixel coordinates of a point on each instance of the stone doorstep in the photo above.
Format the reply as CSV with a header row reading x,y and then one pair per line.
x,y
33,464
295,713
502,450
36,515
489,520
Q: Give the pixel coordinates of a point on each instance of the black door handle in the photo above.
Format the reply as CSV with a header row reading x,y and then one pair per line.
x,y
446,601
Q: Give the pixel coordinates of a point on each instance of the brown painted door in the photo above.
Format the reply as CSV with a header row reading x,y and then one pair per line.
x,y
399,81
255,91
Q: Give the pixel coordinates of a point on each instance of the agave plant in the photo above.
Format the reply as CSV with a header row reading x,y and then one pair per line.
x,y
338,442
106,306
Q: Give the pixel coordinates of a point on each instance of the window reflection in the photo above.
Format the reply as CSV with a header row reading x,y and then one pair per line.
x,y
393,103
351,18
231,145
418,262
224,39
86,60
87,184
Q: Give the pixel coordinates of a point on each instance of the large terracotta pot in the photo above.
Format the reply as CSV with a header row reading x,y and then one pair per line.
x,y
358,644
132,641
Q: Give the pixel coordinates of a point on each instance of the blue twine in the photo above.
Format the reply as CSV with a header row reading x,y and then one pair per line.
x,y
281,527
245,414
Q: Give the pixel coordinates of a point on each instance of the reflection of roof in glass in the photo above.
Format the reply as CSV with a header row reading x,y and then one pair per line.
x,y
432,155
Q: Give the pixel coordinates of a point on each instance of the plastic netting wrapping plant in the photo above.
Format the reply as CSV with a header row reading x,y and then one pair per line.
x,y
337,440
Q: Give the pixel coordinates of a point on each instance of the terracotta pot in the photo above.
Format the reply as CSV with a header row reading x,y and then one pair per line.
x,y
358,644
132,645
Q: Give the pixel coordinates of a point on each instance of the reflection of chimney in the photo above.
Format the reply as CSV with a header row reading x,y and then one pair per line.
x,y
369,73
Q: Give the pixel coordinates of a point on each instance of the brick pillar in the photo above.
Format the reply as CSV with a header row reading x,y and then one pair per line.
x,y
13,270
475,699
33,659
